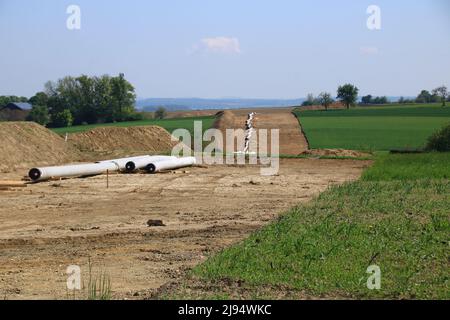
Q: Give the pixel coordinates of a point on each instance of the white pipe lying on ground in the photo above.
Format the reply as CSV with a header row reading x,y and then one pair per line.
x,y
170,164
141,163
89,169
150,163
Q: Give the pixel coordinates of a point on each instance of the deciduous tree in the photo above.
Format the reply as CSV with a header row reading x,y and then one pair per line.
x,y
442,93
160,113
325,99
348,94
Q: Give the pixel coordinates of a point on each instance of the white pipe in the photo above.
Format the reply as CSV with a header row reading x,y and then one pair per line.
x,y
122,162
170,164
141,163
150,163
89,169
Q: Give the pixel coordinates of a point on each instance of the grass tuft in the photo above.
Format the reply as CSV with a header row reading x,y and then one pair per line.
x,y
99,287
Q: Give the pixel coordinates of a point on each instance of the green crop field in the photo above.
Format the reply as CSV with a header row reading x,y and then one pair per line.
x,y
389,167
168,124
389,218
373,128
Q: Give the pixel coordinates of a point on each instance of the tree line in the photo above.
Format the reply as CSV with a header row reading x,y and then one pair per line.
x,y
348,95
82,100
4,100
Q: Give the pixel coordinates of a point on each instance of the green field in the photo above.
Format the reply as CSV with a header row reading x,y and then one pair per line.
x,y
373,128
324,247
388,167
168,124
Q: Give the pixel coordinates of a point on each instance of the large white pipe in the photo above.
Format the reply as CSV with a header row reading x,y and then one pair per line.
x,y
141,163
170,164
89,169
150,163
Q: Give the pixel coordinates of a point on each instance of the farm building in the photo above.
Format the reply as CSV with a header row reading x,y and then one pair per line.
x,y
18,106
15,111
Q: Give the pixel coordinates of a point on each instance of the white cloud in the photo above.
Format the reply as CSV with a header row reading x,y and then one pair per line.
x,y
369,51
227,45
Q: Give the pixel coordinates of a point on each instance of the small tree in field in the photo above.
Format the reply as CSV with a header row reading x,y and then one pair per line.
x,y
442,92
348,94
325,99
160,113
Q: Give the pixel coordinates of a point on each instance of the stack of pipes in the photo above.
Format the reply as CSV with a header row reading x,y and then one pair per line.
x,y
151,164
248,131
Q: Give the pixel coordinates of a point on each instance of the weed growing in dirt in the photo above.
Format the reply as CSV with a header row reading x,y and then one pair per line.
x,y
99,287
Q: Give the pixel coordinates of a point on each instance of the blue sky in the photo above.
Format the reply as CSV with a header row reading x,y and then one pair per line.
x,y
228,48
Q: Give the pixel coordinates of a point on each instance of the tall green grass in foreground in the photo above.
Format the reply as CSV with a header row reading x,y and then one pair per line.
x,y
389,218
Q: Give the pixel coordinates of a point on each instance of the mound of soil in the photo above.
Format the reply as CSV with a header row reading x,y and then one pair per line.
x,y
226,120
120,140
336,153
28,144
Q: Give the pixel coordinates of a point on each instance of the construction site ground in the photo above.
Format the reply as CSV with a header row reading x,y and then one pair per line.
x,y
48,226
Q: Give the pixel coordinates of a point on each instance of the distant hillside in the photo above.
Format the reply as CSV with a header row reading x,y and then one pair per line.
x,y
179,104
183,104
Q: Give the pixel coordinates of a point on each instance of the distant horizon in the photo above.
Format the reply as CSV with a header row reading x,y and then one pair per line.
x,y
180,104
256,98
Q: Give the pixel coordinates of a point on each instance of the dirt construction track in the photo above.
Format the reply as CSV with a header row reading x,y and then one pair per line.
x,y
48,226
291,139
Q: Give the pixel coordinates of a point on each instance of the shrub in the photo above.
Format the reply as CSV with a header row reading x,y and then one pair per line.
x,y
440,140
39,114
160,113
135,116
62,119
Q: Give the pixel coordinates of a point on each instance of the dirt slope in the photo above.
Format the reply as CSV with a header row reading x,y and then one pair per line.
x,y
146,139
292,140
25,144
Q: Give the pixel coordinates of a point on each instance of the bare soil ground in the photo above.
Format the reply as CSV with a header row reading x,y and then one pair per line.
x,y
336,153
48,226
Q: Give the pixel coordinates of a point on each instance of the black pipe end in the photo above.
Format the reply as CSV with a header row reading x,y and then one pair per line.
x,y
34,174
150,168
130,166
